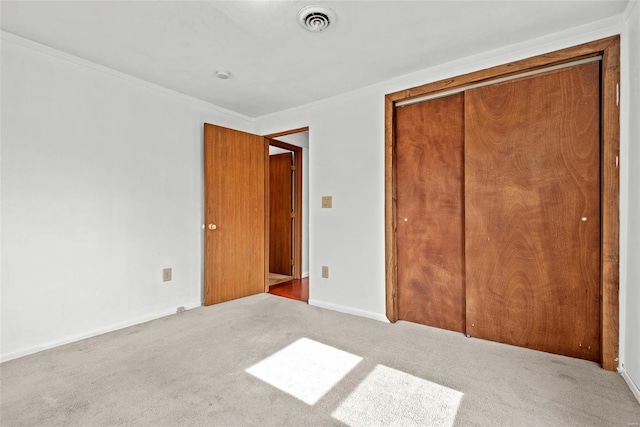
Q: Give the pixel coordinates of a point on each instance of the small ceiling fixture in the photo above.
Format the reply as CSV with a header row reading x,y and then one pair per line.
x,y
316,18
224,75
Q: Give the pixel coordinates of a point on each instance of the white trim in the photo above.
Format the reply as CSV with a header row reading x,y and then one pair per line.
x,y
624,186
632,385
349,310
55,53
95,332
305,274
627,11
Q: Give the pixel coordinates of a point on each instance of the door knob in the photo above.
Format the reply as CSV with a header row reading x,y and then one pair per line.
x,y
212,226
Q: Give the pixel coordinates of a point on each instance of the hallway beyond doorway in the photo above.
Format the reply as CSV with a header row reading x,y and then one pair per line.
x,y
297,289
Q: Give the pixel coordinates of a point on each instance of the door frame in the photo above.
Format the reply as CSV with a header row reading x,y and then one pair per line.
x,y
609,49
297,200
284,180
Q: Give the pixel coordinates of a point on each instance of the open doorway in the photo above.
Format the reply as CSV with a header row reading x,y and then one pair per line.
x,y
288,241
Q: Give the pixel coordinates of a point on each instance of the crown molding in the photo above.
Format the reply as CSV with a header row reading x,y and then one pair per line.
x,y
627,11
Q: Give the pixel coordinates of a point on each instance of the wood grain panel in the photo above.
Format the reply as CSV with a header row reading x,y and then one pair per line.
x,y
532,156
235,197
609,48
297,221
610,186
280,208
570,54
430,242
287,132
390,209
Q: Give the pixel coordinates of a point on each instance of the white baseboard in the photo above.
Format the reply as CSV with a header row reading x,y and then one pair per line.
x,y
349,310
305,274
632,385
95,332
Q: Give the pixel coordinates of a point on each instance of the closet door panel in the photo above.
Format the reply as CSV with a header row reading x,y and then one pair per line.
x,y
429,192
532,220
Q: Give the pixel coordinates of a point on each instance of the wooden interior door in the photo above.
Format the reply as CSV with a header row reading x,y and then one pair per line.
x,y
280,209
430,227
235,198
532,202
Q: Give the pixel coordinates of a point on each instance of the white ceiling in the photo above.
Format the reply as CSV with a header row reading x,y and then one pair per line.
x,y
274,63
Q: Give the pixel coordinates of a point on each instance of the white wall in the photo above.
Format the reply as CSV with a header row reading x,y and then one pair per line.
x,y
102,188
276,150
630,229
347,162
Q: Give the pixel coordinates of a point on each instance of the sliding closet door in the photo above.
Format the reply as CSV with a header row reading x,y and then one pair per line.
x,y
532,200
430,243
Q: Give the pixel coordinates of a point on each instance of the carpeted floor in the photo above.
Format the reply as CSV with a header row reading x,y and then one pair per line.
x,y
271,361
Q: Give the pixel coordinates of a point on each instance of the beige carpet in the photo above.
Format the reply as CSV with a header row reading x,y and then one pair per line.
x,y
271,361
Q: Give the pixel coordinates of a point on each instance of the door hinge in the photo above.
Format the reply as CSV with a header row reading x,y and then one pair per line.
x,y
291,262
293,167
293,214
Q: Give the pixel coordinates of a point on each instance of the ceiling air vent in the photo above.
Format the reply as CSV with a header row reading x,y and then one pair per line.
x,y
316,18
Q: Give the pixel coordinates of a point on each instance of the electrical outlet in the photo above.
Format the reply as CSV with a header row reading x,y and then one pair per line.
x,y
325,272
166,275
327,202
180,310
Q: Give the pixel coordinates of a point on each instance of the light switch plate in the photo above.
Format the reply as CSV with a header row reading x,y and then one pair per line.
x,y
166,275
325,272
327,201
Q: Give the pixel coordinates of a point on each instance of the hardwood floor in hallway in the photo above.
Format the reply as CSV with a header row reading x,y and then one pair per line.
x,y
297,289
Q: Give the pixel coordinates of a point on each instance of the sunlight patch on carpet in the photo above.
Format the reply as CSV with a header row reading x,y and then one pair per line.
x,y
388,397
306,369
